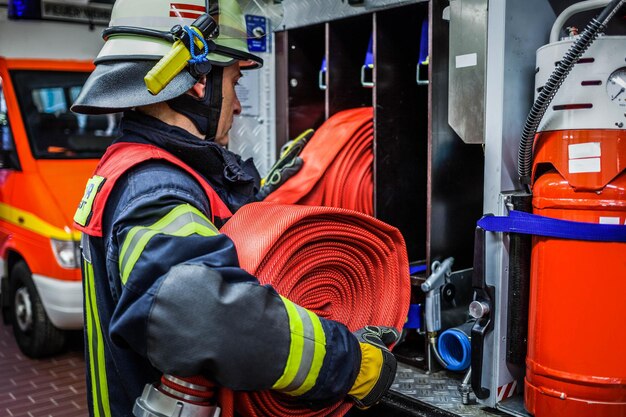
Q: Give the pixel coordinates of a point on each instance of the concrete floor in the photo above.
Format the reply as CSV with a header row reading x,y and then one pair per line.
x,y
53,387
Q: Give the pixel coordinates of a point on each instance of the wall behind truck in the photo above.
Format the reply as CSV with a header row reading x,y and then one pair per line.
x,y
254,131
36,39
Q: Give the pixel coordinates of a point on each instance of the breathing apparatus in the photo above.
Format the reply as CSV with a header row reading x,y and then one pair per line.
x,y
549,90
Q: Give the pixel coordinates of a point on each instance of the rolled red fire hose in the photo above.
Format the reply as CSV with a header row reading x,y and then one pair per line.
x,y
337,169
341,264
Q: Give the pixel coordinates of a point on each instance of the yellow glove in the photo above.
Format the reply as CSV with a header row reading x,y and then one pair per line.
x,y
378,365
286,167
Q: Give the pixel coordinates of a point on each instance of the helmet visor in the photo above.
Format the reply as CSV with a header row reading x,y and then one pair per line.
x,y
241,21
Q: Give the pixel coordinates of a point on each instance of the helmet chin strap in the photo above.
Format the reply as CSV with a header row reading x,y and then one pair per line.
x,y
204,112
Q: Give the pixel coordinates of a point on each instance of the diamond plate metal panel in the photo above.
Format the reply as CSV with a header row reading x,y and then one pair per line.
x,y
307,12
254,132
438,389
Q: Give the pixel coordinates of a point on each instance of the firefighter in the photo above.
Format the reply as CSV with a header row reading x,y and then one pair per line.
x,y
163,290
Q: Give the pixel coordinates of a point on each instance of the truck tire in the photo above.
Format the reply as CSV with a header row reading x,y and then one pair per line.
x,y
36,336
5,300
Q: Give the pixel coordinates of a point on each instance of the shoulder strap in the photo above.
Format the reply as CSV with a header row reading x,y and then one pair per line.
x,y
118,159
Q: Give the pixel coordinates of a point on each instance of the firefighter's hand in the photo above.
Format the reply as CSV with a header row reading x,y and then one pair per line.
x,y
378,365
286,167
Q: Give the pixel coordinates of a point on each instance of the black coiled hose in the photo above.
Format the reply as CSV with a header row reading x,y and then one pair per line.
x,y
549,90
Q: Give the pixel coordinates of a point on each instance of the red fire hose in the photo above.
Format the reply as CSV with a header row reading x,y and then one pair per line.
x,y
341,264
337,169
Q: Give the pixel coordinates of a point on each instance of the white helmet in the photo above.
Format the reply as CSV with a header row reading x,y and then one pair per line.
x,y
141,32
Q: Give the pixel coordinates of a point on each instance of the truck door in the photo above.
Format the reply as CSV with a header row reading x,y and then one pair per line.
x,y
9,162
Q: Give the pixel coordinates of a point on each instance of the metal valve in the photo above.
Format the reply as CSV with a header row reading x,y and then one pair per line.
x,y
478,309
168,400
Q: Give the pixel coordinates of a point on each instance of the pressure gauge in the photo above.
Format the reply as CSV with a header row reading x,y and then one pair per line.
x,y
616,87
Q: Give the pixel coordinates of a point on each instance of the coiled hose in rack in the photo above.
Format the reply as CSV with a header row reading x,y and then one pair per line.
x,y
341,264
337,169
549,90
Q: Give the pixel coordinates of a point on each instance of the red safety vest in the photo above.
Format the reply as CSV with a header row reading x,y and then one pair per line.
x,y
118,159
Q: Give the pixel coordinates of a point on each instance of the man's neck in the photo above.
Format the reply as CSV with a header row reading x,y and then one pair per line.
x,y
164,113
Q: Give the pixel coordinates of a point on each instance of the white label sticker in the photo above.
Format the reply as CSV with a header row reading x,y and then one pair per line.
x,y
584,150
579,166
610,220
467,60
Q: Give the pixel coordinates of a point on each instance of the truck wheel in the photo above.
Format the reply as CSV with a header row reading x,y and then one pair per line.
x,y
36,336
5,300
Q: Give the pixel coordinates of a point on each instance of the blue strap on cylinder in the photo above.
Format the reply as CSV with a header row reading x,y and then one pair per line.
x,y
532,224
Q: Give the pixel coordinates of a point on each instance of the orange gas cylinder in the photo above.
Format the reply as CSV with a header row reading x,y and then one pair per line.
x,y
576,361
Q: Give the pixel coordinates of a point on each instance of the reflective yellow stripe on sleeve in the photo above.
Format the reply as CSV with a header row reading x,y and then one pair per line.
x,y
184,220
306,351
95,340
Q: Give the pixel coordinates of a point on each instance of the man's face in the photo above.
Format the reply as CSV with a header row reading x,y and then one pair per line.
x,y
230,103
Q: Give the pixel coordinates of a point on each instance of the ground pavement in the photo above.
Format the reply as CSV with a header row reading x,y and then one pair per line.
x,y
53,387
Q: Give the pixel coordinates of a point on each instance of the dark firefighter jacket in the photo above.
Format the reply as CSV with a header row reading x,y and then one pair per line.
x,y
164,292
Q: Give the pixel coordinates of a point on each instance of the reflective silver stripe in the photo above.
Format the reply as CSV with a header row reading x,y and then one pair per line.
x,y
172,223
85,247
308,350
170,228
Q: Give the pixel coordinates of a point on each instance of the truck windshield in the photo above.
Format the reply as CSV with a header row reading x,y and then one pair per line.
x,y
53,130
